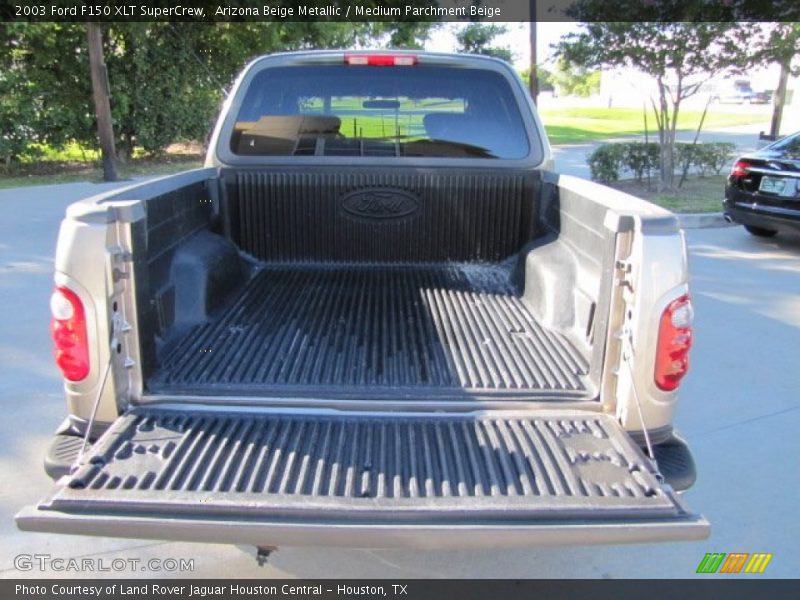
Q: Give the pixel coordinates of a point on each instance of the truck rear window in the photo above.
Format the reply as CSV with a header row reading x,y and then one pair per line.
x,y
343,110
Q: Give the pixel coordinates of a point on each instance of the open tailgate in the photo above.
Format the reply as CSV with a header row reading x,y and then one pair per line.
x,y
561,476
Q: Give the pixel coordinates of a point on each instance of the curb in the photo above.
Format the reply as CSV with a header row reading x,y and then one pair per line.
x,y
703,220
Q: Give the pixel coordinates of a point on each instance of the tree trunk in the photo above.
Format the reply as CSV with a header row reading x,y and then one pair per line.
x,y
669,183
685,172
778,102
667,166
102,105
533,83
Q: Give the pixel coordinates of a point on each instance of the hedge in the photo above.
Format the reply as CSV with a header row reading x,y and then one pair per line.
x,y
608,161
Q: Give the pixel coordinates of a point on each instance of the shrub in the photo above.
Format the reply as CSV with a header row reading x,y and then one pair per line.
x,y
606,162
711,157
718,155
640,157
688,155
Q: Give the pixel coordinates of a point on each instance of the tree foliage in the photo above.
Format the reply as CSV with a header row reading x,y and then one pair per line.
x,y
679,56
574,80
778,43
45,91
166,79
543,74
478,38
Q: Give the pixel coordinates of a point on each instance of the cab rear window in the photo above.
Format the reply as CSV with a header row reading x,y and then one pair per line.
x,y
343,110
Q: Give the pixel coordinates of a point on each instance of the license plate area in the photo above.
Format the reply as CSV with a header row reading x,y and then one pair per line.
x,y
780,186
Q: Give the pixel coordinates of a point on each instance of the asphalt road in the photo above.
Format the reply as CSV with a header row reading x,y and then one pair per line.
x,y
739,412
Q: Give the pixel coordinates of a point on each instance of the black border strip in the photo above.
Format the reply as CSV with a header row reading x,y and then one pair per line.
x,y
209,11
715,586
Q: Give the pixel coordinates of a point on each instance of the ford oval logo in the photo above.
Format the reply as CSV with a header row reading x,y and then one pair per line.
x,y
379,203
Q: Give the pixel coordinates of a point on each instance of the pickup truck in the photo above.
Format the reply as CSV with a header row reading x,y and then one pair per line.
x,y
376,317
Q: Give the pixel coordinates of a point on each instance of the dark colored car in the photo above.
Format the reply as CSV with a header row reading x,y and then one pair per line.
x,y
763,189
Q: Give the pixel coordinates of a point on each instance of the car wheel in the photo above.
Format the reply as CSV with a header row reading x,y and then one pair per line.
x,y
760,231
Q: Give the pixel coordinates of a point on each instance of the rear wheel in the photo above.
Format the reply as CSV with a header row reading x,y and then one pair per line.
x,y
760,231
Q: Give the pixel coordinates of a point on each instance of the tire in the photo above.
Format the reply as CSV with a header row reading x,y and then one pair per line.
x,y
760,231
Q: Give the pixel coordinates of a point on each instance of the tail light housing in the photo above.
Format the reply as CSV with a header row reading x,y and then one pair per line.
x,y
68,329
381,60
739,168
674,342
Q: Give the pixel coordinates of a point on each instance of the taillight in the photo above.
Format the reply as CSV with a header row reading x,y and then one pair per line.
x,y
381,60
674,341
739,168
68,329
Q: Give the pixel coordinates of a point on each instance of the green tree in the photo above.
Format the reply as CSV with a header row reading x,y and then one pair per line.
x,y
16,109
574,80
45,92
477,38
679,56
166,79
779,43
546,78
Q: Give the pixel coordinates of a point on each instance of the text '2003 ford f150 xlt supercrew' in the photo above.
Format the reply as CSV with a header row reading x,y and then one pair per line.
x,y
375,318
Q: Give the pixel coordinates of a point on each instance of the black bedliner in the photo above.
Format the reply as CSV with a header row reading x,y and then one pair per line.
x,y
578,464
374,330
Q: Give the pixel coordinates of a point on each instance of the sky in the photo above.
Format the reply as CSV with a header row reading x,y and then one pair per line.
x,y
548,33
517,39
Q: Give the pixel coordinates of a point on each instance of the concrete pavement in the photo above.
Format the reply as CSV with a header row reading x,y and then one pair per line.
x,y
739,412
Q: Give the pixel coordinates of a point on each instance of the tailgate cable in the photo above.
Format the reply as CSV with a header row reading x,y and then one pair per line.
x,y
76,464
627,353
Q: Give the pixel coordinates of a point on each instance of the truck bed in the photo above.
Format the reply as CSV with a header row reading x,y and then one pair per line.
x,y
328,338
374,330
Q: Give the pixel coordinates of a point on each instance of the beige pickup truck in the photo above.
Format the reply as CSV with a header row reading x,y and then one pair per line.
x,y
375,318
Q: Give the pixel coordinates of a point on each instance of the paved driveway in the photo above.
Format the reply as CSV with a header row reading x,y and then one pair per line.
x,y
740,413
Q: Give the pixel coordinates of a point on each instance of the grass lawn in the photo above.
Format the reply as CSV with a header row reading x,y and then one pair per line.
x,y
564,125
698,194
62,168
575,125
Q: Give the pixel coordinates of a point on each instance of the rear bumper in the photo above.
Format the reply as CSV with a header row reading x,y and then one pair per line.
x,y
759,215
367,535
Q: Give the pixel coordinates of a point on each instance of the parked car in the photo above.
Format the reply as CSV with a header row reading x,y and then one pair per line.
x,y
375,318
763,189
738,91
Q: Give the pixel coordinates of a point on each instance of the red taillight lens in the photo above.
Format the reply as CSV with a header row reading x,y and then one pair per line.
x,y
381,60
739,168
68,329
674,341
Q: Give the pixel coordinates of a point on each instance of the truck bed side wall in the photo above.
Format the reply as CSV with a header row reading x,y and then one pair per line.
x,y
375,216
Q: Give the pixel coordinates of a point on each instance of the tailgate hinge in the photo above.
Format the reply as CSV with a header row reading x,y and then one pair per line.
x,y
624,268
119,259
121,304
